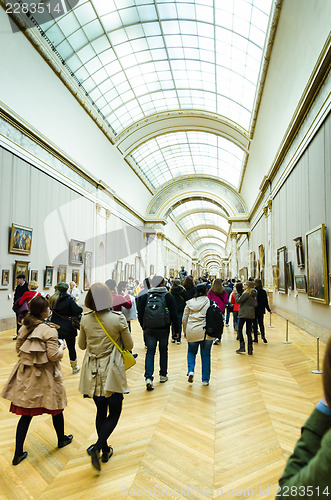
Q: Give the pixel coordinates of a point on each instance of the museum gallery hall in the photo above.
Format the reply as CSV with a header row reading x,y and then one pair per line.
x,y
143,138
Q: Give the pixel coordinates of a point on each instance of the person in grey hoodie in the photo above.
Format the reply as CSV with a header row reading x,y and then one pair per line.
x,y
194,322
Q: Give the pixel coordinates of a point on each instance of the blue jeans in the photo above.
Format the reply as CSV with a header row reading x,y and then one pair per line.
x,y
205,347
180,319
152,337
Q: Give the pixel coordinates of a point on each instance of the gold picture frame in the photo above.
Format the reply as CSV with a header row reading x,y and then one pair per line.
x,y
75,276
5,275
20,239
281,269
21,267
34,275
48,276
317,272
299,252
300,283
289,276
275,277
62,273
252,264
261,256
87,270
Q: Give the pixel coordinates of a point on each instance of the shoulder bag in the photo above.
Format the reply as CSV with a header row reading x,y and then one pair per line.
x,y
128,359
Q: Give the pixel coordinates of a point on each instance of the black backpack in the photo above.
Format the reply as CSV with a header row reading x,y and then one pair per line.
x,y
214,321
156,313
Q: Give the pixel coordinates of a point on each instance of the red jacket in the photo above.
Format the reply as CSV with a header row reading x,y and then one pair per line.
x,y
120,301
28,296
220,301
233,301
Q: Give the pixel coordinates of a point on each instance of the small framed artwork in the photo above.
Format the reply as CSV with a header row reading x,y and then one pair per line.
x,y
34,276
88,270
76,252
20,239
275,276
48,276
62,274
317,273
281,269
252,264
300,283
243,274
5,273
172,273
75,276
21,267
299,251
289,276
261,256
257,269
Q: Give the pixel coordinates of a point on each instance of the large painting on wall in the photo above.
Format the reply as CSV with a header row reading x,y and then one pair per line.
x,y
243,274
20,268
261,256
20,239
76,252
62,273
275,277
281,270
317,273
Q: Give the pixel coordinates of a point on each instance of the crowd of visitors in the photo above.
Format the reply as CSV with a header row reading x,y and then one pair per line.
x,y
183,306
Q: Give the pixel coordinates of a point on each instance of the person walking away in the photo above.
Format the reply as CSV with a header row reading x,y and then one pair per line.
x,y
218,294
156,311
97,376
177,291
262,305
228,290
194,323
63,309
240,289
119,300
35,385
246,315
190,289
21,288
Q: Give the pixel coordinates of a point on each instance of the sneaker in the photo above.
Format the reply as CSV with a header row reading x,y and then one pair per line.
x,y
163,378
95,456
264,340
178,342
205,383
190,377
216,341
173,341
15,338
149,384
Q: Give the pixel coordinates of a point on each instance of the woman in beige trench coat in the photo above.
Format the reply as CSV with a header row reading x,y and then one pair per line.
x,y
96,378
35,385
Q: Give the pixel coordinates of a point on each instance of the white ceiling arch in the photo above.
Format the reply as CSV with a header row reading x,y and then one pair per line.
x,y
211,240
207,227
206,209
196,203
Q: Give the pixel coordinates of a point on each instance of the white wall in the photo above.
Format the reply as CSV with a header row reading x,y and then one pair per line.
x,y
30,88
303,28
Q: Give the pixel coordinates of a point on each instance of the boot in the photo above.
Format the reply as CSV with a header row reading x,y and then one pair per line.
x,y
241,348
250,349
264,339
74,366
255,338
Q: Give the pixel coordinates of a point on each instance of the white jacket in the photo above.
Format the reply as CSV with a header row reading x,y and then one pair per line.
x,y
194,318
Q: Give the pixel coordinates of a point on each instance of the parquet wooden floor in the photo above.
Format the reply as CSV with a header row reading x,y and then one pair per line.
x,y
180,440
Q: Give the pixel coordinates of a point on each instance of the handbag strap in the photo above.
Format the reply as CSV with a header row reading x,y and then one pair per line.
x,y
104,329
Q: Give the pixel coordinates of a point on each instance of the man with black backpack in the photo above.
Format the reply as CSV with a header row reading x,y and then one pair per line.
x,y
156,311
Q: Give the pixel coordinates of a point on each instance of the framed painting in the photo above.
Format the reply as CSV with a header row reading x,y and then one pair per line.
x,y
275,277
289,276
281,269
299,251
300,283
257,269
261,256
75,276
243,274
172,273
48,276
20,239
317,273
34,276
5,273
88,270
21,267
62,274
252,263
76,252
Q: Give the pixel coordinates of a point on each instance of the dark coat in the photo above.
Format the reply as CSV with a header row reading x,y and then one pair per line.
x,y
20,291
262,302
178,292
189,293
65,307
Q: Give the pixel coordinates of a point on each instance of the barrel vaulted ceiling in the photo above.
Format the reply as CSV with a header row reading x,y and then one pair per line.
x,y
138,59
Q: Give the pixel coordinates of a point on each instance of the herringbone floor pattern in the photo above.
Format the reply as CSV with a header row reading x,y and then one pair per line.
x,y
181,440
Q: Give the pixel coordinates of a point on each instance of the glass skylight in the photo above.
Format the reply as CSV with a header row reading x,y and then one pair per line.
x,y
196,205
208,241
138,57
188,153
203,218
